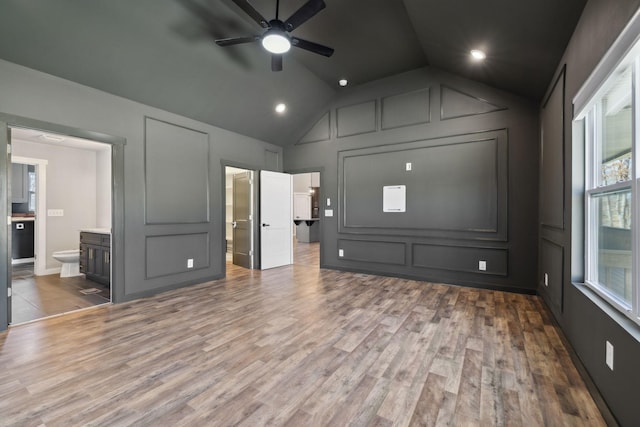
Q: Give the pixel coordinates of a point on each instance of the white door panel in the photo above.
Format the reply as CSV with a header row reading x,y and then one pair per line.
x,y
276,217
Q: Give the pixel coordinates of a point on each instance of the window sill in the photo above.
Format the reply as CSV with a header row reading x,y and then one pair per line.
x,y
623,321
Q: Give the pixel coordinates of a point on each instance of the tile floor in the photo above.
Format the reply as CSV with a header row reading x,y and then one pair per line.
x,y
35,297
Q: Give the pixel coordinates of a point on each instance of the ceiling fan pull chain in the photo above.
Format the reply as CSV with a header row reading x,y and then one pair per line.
x,y
277,8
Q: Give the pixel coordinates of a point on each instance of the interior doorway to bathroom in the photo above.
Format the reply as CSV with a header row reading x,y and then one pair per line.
x,y
240,217
61,224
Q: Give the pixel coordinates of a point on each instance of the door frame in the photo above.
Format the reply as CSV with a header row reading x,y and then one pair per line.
x,y
256,207
117,143
40,263
322,204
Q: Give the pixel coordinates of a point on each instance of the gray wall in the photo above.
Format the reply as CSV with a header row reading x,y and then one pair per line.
x,y
474,168
586,320
167,159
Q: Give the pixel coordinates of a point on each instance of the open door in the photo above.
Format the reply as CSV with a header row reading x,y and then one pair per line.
x,y
243,219
276,219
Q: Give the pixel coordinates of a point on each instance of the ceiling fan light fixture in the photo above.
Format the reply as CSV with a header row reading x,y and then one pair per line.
x,y
276,42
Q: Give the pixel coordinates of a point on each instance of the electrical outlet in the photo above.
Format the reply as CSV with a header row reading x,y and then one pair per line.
x,y
190,263
482,265
340,252
609,355
328,212
408,166
546,279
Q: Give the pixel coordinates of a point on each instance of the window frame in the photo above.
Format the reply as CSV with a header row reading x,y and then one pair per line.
x,y
591,116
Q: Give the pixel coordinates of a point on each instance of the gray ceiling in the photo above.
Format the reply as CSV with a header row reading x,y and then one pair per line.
x,y
161,53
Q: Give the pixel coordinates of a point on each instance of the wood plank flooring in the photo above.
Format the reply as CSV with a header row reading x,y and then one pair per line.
x,y
296,346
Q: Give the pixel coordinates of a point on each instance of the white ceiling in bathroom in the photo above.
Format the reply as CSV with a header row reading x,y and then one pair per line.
x,y
41,137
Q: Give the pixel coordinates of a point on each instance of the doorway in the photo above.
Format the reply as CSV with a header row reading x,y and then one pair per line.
x,y
307,218
61,191
240,217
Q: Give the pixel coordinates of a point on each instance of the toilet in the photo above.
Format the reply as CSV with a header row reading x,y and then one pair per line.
x,y
70,262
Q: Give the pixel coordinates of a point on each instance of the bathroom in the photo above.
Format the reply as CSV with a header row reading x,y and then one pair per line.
x,y
68,190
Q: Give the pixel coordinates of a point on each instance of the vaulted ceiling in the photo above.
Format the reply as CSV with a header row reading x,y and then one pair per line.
x,y
161,52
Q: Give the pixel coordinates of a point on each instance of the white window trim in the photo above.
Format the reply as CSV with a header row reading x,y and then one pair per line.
x,y
586,108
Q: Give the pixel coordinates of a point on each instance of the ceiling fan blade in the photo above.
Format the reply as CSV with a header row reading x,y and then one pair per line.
x,y
254,14
302,15
276,62
236,40
312,47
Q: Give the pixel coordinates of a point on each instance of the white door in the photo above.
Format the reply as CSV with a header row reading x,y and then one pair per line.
x,y
276,217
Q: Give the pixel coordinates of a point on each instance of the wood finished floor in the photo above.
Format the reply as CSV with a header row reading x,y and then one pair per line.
x,y
296,346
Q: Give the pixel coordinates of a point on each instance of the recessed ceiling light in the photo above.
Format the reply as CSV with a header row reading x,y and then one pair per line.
x,y
343,82
478,55
281,108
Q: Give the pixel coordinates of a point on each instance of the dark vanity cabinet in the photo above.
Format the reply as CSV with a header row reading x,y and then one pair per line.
x,y
95,256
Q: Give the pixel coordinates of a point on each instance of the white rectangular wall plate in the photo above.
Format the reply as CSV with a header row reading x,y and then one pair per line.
x,y
190,263
340,252
328,212
609,355
482,265
394,198
55,212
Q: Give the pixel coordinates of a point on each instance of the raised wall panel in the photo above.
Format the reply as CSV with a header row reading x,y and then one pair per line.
x,y
459,258
321,131
372,251
176,174
552,263
552,158
405,109
455,104
457,187
166,255
356,119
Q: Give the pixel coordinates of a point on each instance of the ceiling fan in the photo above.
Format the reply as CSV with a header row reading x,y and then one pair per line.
x,y
276,39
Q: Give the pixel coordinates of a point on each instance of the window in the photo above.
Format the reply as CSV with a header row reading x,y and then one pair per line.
x,y
611,122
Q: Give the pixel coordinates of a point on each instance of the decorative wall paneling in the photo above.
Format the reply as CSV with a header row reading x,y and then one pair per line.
x,y
167,255
456,188
357,119
405,109
373,251
455,104
552,164
176,161
321,131
552,264
460,258
473,154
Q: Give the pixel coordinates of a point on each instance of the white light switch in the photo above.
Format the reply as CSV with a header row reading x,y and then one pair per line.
x,y
482,265
55,212
328,201
190,263
328,212
408,166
